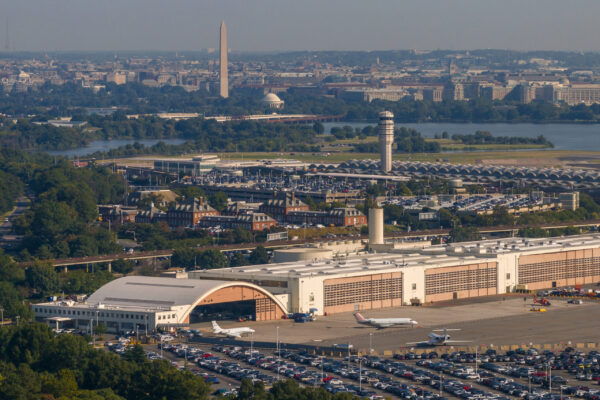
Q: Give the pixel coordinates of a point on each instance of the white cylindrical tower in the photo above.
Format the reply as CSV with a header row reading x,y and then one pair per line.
x,y
375,226
386,139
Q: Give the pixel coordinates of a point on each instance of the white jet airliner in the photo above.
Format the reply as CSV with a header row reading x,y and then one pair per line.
x,y
231,332
439,340
381,323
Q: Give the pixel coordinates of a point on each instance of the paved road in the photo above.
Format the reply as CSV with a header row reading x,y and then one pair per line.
x,y
6,225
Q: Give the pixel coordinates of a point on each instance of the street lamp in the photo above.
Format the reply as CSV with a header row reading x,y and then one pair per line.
x,y
370,342
359,375
18,318
278,353
2,312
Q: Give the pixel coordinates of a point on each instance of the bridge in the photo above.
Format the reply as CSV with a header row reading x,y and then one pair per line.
x,y
280,244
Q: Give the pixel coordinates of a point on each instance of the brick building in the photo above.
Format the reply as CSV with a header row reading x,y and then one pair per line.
x,y
282,205
254,222
189,213
335,217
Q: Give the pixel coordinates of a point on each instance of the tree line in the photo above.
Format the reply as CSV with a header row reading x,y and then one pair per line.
x,y
35,363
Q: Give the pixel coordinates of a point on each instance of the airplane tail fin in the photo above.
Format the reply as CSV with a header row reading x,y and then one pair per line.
x,y
216,327
359,317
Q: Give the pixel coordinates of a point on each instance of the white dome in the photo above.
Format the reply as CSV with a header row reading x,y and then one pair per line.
x,y
271,98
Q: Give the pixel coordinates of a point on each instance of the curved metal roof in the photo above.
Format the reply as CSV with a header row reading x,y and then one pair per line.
x,y
147,291
156,292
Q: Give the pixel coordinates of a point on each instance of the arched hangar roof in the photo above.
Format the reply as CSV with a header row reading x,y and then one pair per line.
x,y
157,292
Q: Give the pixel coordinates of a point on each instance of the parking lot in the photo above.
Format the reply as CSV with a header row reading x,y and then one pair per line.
x,y
527,373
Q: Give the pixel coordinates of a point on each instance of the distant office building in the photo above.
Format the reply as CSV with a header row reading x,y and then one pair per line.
x,y
494,92
117,78
223,72
368,95
386,139
569,201
453,91
579,94
434,94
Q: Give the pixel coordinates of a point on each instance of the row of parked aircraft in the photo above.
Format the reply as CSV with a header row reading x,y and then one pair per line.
x,y
433,338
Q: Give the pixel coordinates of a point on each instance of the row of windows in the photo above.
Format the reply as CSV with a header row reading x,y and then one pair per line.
x,y
362,291
456,281
43,310
559,269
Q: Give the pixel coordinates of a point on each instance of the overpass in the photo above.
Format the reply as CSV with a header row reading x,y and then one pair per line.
x,y
280,244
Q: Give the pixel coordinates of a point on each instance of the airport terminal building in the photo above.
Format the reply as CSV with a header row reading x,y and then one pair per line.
x,y
395,276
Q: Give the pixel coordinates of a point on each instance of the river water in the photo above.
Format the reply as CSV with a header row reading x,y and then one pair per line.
x,y
564,136
105,145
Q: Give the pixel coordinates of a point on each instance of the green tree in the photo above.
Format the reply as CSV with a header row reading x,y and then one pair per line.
x,y
462,234
238,259
135,354
42,278
99,329
259,256
218,201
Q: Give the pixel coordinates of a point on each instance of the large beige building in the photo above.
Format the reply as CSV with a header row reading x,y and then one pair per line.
x,y
434,273
324,283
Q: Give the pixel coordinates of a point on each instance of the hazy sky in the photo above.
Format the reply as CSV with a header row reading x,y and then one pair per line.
x,y
259,25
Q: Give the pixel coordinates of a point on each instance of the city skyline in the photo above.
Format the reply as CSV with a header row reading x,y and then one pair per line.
x,y
267,25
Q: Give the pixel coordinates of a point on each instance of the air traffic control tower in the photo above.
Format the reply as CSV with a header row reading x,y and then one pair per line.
x,y
386,139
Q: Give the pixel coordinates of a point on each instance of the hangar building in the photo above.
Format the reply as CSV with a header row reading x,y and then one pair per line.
x,y
394,277
146,303
435,273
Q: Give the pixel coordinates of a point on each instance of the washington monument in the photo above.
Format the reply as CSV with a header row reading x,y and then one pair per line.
x,y
223,74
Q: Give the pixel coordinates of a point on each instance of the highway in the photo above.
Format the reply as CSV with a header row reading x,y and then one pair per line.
x,y
511,230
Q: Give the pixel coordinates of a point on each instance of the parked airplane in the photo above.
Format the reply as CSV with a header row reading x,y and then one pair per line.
x,y
381,323
439,340
231,332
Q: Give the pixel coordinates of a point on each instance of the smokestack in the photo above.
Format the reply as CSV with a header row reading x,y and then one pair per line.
x,y
375,226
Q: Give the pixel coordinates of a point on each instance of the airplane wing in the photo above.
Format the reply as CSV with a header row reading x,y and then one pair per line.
x,y
458,341
425,342
234,335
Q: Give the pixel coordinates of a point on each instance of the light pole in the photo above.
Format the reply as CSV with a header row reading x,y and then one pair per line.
x,y
476,361
322,369
18,318
441,383
359,375
370,342
550,374
161,346
251,343
2,312
278,353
